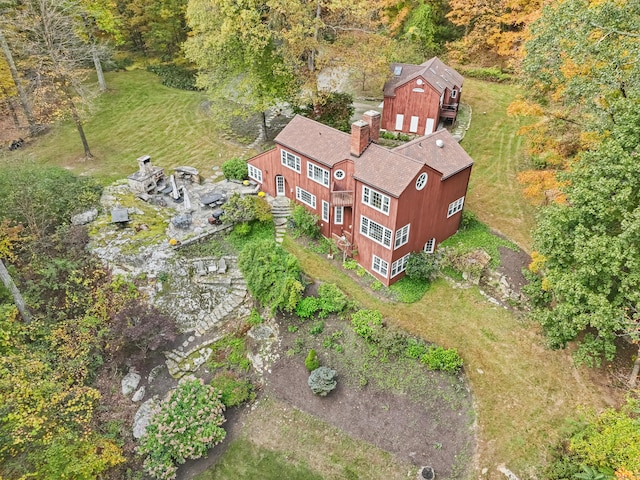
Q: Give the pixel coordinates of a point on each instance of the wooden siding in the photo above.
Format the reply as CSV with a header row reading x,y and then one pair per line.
x,y
416,104
425,210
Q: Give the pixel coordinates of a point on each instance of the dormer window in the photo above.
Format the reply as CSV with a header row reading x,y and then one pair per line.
x,y
454,93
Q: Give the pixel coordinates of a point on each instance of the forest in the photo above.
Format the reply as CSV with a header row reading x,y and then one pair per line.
x,y
69,326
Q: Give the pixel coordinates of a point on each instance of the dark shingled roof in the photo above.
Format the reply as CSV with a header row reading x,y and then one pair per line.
x,y
390,171
436,74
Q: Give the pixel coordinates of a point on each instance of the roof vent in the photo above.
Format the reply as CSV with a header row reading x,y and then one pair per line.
x,y
439,143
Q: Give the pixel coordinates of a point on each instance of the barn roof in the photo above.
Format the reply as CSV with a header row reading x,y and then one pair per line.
x,y
390,171
434,72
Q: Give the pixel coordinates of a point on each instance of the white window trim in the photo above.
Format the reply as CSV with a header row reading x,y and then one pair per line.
x,y
338,218
454,93
325,211
423,176
400,233
339,174
255,173
399,265
383,269
300,196
413,124
433,245
455,207
369,192
399,121
285,160
365,230
311,171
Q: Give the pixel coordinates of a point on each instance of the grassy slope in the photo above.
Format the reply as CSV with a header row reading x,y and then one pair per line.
x,y
497,151
523,391
138,116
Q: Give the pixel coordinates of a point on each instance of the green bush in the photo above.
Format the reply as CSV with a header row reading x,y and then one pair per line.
x,y
322,380
303,222
331,108
350,264
317,328
377,286
367,324
331,299
233,389
422,266
235,169
438,358
185,426
312,362
491,74
272,274
229,352
307,307
175,76
254,317
415,348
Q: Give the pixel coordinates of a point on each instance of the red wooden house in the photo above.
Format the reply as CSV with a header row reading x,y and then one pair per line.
x,y
418,98
385,203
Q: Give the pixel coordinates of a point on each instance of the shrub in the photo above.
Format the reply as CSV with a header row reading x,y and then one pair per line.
x,y
331,108
304,223
242,229
272,274
415,348
307,307
438,358
175,76
331,299
235,169
254,317
317,328
422,266
229,352
350,264
367,324
491,74
312,362
185,426
233,390
322,380
376,285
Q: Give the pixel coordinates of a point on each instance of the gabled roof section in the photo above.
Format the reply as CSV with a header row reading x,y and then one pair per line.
x,y
319,142
389,171
434,71
439,151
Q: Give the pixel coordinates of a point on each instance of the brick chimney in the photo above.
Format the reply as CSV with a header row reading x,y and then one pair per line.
x,y
359,137
373,119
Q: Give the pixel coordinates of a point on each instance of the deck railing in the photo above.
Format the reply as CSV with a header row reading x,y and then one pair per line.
x,y
342,198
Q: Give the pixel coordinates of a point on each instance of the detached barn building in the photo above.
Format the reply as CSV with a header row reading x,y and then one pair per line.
x,y
419,97
385,203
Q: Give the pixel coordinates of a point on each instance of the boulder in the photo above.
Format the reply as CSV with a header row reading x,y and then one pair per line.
x,y
85,217
130,383
139,395
143,416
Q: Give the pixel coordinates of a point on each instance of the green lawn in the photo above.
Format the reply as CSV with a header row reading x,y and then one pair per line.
x,y
138,116
498,152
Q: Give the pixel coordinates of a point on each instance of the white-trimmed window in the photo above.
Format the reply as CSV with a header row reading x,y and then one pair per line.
x,y
338,174
402,236
325,211
376,200
454,93
318,174
338,215
290,160
380,266
455,207
430,246
399,265
375,231
306,197
422,181
255,173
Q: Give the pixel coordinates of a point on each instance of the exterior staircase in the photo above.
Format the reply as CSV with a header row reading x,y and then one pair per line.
x,y
281,210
